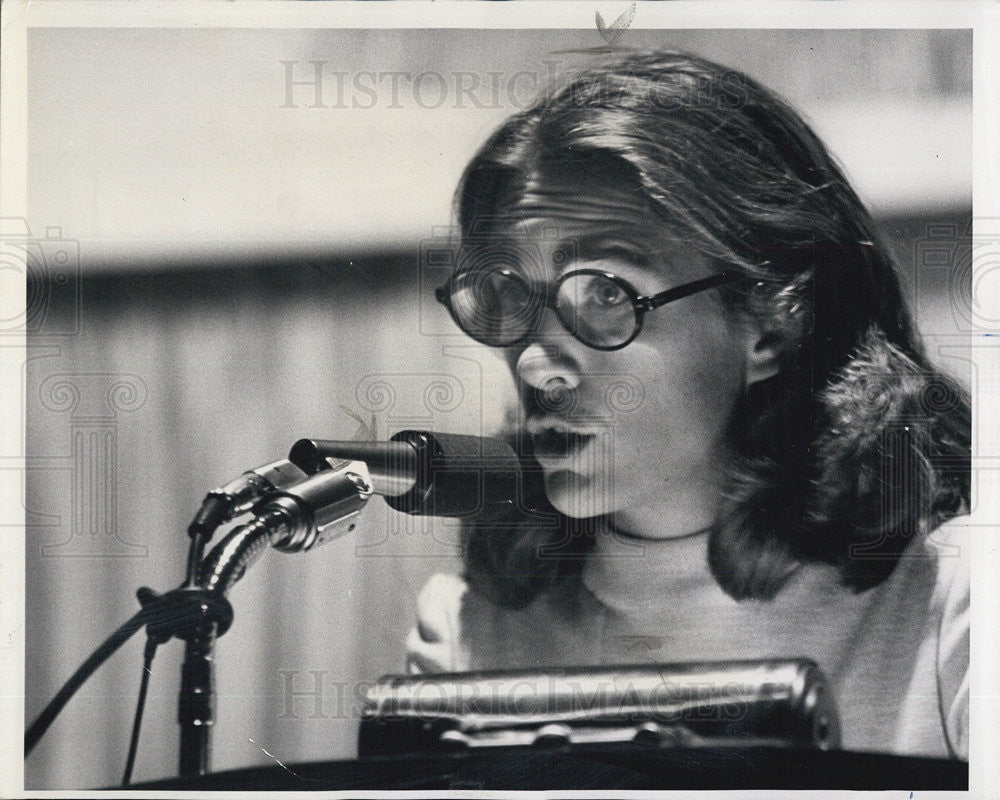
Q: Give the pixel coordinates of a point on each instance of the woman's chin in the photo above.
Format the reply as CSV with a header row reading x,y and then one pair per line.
x,y
576,495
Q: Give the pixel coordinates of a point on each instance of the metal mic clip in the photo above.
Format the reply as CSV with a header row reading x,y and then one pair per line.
x,y
320,508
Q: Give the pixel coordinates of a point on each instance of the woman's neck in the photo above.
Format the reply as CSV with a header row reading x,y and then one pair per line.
x,y
615,528
674,507
667,518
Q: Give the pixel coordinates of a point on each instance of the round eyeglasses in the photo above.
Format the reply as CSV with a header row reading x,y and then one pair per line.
x,y
501,308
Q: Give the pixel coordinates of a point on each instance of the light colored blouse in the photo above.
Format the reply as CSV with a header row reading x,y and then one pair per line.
x,y
896,655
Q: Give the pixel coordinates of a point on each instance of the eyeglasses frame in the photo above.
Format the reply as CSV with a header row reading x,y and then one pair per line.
x,y
549,292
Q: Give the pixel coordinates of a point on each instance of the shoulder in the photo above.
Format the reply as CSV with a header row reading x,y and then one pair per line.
x,y
950,547
933,574
951,614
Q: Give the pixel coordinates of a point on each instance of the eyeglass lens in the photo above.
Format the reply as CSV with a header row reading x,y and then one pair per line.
x,y
498,307
596,309
494,306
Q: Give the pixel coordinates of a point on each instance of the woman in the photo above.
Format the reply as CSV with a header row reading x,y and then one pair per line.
x,y
743,449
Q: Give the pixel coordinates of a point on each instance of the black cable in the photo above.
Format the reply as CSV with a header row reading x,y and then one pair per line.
x,y
196,552
214,512
140,706
76,680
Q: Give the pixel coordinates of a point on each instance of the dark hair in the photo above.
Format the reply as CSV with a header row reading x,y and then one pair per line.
x,y
858,443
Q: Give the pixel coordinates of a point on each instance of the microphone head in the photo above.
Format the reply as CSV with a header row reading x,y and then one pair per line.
x,y
459,476
424,473
392,465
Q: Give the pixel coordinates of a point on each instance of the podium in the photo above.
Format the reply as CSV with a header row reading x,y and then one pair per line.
x,y
624,766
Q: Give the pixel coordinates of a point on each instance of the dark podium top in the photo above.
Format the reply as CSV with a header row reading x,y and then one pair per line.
x,y
607,767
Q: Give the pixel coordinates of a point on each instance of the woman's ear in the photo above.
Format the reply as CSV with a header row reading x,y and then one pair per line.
x,y
763,354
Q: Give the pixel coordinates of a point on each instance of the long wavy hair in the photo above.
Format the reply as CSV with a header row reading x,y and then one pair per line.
x,y
858,443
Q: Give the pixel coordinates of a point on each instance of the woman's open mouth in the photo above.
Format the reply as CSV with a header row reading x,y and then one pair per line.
x,y
552,443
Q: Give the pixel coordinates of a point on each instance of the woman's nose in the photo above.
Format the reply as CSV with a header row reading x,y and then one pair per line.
x,y
549,362
549,379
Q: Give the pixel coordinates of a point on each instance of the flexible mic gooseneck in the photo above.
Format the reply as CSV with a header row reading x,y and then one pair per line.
x,y
241,494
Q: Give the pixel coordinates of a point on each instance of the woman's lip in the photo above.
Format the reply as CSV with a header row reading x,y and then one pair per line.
x,y
540,426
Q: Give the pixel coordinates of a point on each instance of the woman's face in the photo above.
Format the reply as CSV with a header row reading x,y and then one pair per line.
x,y
636,433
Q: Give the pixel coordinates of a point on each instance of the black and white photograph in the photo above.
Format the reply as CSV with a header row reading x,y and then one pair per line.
x,y
480,397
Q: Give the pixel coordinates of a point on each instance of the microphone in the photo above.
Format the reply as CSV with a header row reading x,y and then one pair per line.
x,y
425,473
316,510
318,493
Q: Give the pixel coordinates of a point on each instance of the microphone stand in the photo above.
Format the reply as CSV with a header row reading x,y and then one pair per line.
x,y
198,616
196,709
199,613
313,512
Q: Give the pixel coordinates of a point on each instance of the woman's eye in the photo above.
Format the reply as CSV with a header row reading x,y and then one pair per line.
x,y
511,291
606,294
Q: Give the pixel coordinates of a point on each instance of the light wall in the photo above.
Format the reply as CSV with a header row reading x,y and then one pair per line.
x,y
152,145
